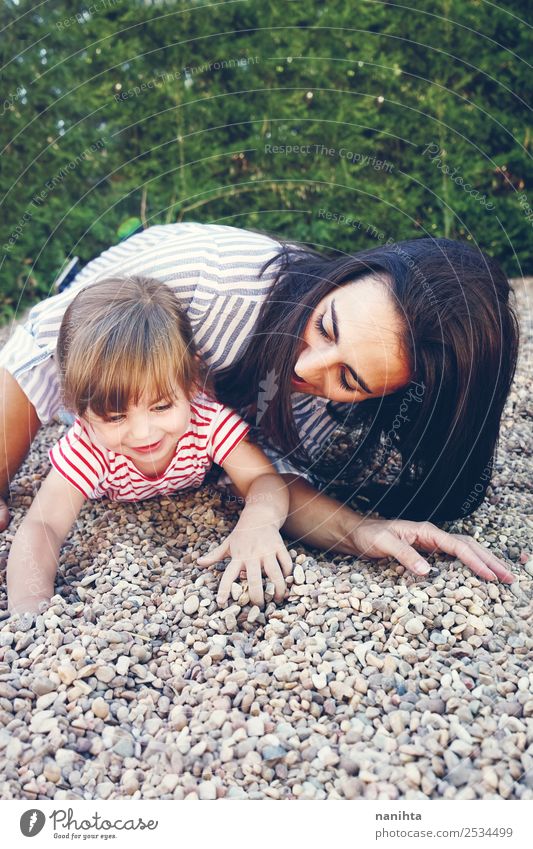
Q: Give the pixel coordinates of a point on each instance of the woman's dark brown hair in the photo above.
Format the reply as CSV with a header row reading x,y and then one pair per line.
x,y
461,337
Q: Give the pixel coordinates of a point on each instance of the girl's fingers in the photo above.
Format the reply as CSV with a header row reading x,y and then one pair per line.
x,y
214,556
272,570
229,576
285,561
255,582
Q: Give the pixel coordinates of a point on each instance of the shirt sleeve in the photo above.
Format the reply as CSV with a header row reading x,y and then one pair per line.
x,y
75,459
212,269
227,430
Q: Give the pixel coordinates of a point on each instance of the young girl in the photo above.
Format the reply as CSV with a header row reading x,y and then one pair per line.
x,y
144,427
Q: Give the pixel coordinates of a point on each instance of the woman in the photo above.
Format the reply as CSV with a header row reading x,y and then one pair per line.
x,y
421,332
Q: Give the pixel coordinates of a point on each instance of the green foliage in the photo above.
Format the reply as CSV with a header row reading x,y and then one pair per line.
x,y
339,125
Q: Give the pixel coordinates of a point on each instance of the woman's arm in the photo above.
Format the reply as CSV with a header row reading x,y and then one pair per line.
x,y
32,563
18,426
320,521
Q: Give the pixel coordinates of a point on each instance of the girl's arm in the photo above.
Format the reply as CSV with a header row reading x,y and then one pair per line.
x,y
258,482
255,544
32,563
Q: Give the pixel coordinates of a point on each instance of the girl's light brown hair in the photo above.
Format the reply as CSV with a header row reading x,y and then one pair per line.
x,y
123,339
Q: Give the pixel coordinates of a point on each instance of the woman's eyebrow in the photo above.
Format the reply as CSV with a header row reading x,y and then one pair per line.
x,y
352,371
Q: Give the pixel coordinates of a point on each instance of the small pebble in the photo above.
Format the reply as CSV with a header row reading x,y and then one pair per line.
x,y
414,626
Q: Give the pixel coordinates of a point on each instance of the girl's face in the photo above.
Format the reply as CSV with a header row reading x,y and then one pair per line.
x,y
147,433
351,346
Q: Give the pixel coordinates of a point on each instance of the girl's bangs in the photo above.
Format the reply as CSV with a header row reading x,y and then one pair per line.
x,y
122,384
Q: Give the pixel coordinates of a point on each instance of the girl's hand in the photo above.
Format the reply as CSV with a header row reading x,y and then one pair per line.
x,y
30,604
253,550
399,538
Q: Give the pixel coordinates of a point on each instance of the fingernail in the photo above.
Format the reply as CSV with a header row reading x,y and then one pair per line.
x,y
421,568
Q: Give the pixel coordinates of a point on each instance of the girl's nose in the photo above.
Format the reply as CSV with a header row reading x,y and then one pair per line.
x,y
139,428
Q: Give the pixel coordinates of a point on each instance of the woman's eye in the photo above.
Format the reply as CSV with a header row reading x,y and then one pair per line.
x,y
344,384
162,407
114,419
320,327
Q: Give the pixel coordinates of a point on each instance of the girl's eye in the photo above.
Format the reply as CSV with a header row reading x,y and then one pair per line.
x,y
114,419
162,407
320,327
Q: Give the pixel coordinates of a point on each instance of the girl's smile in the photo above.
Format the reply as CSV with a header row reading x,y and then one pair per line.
x,y
148,449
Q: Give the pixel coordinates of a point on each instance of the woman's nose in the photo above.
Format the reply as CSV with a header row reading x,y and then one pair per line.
x,y
314,362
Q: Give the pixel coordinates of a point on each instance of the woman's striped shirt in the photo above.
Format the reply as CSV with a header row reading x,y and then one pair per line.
x,y
213,271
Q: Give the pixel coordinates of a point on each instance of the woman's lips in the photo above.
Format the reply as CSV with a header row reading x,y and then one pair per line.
x,y
297,381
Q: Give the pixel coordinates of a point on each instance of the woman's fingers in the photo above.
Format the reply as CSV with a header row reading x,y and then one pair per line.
x,y
4,515
273,572
231,573
404,553
481,561
499,568
494,563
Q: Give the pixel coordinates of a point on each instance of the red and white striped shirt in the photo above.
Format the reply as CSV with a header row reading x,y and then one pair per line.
x,y
214,431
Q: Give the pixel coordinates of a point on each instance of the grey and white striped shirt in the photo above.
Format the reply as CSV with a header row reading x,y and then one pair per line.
x,y
214,272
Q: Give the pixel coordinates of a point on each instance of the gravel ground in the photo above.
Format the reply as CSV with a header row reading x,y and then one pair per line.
x,y
365,683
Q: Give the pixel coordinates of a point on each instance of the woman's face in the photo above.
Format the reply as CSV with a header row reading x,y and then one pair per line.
x,y
351,346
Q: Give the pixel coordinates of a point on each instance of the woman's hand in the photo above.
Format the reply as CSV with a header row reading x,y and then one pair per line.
x,y
400,538
253,550
5,518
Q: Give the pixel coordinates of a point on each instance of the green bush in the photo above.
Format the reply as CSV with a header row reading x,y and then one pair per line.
x,y
338,125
